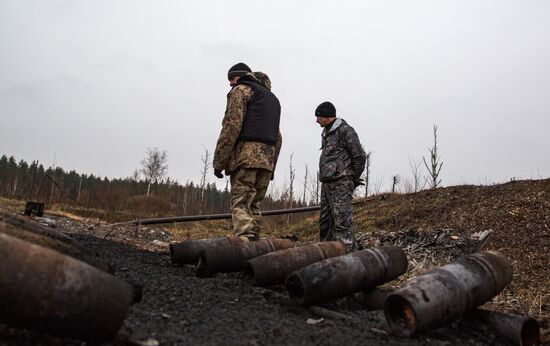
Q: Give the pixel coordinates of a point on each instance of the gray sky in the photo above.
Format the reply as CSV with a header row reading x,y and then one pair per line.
x,y
98,82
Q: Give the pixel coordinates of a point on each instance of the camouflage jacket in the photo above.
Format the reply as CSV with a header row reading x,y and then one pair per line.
x,y
342,153
232,153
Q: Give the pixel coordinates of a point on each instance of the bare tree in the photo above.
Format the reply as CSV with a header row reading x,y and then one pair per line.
x,y
435,163
205,160
407,185
313,188
154,166
53,185
416,174
366,175
317,188
305,186
395,182
378,185
292,175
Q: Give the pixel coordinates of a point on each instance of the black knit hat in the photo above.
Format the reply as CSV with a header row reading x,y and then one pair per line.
x,y
325,109
239,69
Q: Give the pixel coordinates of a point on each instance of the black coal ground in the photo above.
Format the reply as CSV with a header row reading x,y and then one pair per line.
x,y
179,309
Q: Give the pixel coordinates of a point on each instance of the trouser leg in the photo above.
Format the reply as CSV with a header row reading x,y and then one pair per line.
x,y
248,189
263,177
338,196
242,192
326,221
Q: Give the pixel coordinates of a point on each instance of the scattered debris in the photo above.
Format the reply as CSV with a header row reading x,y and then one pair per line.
x,y
327,313
47,221
160,243
425,249
482,239
143,342
314,321
378,331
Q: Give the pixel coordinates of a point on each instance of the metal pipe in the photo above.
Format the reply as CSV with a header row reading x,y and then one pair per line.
x,y
517,329
56,245
229,259
447,292
188,252
272,268
63,189
190,218
45,290
344,275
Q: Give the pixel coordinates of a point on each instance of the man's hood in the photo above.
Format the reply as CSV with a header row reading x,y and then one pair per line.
x,y
258,77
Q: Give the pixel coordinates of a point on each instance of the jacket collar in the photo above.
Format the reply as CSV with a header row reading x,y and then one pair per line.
x,y
334,126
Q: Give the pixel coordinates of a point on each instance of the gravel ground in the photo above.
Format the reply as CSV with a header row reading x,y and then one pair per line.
x,y
179,309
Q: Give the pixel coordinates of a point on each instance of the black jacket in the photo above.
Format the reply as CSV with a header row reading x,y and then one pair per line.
x,y
342,153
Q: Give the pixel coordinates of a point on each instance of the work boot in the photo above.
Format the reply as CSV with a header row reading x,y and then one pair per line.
x,y
250,236
351,246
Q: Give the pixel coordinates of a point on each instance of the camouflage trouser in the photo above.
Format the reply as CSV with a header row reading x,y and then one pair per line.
x,y
335,221
248,189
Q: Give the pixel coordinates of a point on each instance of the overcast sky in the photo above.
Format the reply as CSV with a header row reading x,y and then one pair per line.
x,y
96,83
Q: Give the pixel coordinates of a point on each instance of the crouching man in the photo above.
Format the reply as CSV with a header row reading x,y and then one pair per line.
x,y
341,164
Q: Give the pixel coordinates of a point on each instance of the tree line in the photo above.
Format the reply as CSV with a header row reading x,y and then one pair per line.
x,y
148,192
139,195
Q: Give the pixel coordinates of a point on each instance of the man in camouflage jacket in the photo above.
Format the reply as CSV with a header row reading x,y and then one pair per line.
x,y
341,164
248,146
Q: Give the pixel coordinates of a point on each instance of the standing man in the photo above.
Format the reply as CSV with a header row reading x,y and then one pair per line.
x,y
340,166
248,146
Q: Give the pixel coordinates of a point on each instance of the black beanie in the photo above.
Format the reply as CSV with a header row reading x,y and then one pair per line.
x,y
325,109
239,69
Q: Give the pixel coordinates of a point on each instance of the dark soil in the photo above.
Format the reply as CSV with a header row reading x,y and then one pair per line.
x,y
518,212
179,309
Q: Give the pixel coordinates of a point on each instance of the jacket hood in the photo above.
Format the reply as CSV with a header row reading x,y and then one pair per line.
x,y
258,77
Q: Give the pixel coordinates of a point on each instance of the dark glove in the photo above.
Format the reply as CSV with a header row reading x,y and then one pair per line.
x,y
358,182
218,173
272,176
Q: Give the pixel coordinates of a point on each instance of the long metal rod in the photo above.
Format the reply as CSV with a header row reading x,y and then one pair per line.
x,y
189,218
63,189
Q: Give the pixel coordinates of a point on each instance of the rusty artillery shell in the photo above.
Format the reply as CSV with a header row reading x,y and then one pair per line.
x,y
343,275
517,329
272,268
447,292
231,258
55,244
188,252
21,222
48,291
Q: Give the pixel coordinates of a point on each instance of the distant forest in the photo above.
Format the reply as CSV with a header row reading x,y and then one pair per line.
x,y
131,196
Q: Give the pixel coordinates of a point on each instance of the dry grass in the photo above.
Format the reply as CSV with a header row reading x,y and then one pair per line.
x,y
518,212
12,204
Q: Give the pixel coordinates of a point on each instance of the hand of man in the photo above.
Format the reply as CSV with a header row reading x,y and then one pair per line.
x,y
218,173
358,182
272,176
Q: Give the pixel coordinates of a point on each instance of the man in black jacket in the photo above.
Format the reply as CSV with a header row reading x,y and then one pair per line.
x,y
341,164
